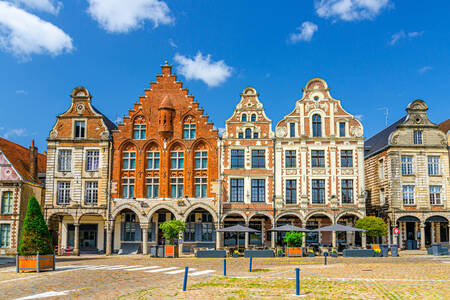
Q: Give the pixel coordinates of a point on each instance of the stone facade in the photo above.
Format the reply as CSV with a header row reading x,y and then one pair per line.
x,y
319,162
78,172
407,179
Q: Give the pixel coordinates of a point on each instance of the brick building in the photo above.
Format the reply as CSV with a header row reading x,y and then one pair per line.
x,y
22,175
407,179
78,172
319,160
165,157
247,168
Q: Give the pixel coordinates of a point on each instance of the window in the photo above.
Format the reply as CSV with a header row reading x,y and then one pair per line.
x,y
176,187
207,231
317,125
346,158
342,129
7,201
201,159
248,133
63,192
258,159
64,160
418,137
139,131
189,234
237,158
177,160
292,129
435,195
80,131
128,188
255,135
5,235
347,191
244,118
381,169
408,194
129,160
318,191
237,190
407,165
291,158
291,191
130,227
433,165
253,118
382,197
92,160
189,131
200,187
91,195
241,135
258,190
153,160
152,187
318,158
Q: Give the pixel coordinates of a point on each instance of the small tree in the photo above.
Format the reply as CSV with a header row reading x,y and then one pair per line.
x,y
171,230
374,226
35,234
294,239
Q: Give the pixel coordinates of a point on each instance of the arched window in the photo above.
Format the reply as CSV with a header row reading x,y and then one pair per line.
x,y
248,133
253,118
244,118
317,125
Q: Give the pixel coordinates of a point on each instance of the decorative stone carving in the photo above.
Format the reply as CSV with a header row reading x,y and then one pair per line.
x,y
394,139
105,134
79,108
318,171
324,106
53,134
347,172
281,132
291,172
356,131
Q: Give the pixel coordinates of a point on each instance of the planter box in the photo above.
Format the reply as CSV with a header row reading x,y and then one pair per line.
x,y
294,251
171,251
334,254
358,253
211,253
35,263
311,254
258,253
235,255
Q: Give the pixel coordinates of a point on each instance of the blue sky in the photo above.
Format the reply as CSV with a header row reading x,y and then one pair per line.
x,y
372,53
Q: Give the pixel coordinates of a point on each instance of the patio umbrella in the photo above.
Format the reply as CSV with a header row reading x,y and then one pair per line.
x,y
237,228
338,227
288,228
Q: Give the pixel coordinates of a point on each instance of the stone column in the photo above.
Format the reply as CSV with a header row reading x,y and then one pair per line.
x,y
438,232
433,239
304,239
60,235
263,233
246,239
76,243
422,236
364,240
157,232
273,237
389,233
109,227
144,228
333,236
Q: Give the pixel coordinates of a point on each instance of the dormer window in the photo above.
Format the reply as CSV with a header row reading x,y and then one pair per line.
x,y
253,118
317,125
417,137
292,130
255,135
244,118
139,131
189,131
80,131
342,129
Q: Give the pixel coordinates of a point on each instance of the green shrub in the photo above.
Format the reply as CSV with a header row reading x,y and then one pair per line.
x,y
294,239
171,230
374,226
35,234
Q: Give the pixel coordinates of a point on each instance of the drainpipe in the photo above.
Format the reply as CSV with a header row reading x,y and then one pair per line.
x,y
108,249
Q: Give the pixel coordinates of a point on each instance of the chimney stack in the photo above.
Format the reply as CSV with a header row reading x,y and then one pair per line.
x,y
33,161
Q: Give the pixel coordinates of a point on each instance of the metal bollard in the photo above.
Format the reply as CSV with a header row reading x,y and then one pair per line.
x,y
17,263
38,263
186,269
250,267
326,254
297,283
224,267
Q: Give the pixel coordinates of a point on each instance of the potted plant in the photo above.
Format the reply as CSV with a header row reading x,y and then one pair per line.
x,y
35,247
236,253
294,242
334,253
377,252
374,226
280,253
311,253
171,231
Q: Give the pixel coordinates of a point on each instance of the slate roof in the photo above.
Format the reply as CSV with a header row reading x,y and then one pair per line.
x,y
380,140
19,157
110,124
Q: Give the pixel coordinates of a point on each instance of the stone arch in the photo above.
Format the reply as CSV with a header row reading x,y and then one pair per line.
x,y
261,213
234,212
85,214
201,141
441,217
203,206
319,212
61,213
127,143
131,207
188,118
139,118
353,213
149,144
290,213
176,144
404,218
162,206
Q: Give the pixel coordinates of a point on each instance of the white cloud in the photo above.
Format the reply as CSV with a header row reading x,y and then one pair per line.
x,y
15,132
50,6
23,92
23,34
306,32
402,35
118,16
172,43
202,68
415,33
424,69
350,10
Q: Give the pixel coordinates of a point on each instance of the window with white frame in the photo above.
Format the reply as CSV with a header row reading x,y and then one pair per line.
x,y
342,129
201,159
407,165
291,191
291,129
152,160
418,137
408,195
244,118
381,169
291,158
318,191
91,193
177,160
64,160
92,160
152,187
176,187
189,131
80,129
433,165
139,131
237,158
347,191
236,190
5,235
253,118
317,125
258,158
346,158
435,195
129,160
318,158
200,187
258,190
63,192
7,201
128,187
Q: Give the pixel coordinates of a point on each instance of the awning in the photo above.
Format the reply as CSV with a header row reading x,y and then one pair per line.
x,y
408,219
237,228
437,219
288,228
338,227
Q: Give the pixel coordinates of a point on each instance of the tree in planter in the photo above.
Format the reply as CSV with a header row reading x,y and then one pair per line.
x,y
171,230
294,239
35,234
374,226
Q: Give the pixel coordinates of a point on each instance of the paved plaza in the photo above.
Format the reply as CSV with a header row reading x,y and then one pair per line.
x,y
410,276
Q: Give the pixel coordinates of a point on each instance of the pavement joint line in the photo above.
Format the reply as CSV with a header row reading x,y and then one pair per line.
x,y
180,271
202,272
161,270
124,267
143,268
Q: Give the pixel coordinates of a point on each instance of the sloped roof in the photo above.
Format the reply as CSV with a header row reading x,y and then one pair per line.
x,y
109,124
381,139
445,126
19,157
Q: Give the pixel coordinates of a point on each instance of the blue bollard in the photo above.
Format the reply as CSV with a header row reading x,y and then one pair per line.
x,y
250,267
297,278
326,254
224,267
186,269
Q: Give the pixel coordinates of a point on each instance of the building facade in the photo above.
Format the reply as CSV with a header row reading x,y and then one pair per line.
x,y
247,168
407,179
22,175
165,159
319,158
78,173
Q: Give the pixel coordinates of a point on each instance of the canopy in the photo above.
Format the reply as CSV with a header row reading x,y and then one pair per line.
x,y
338,227
289,227
237,228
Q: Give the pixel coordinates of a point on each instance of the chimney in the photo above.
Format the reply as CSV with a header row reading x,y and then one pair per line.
x,y
33,161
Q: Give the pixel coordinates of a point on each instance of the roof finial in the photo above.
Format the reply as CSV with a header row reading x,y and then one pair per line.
x,y
166,63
